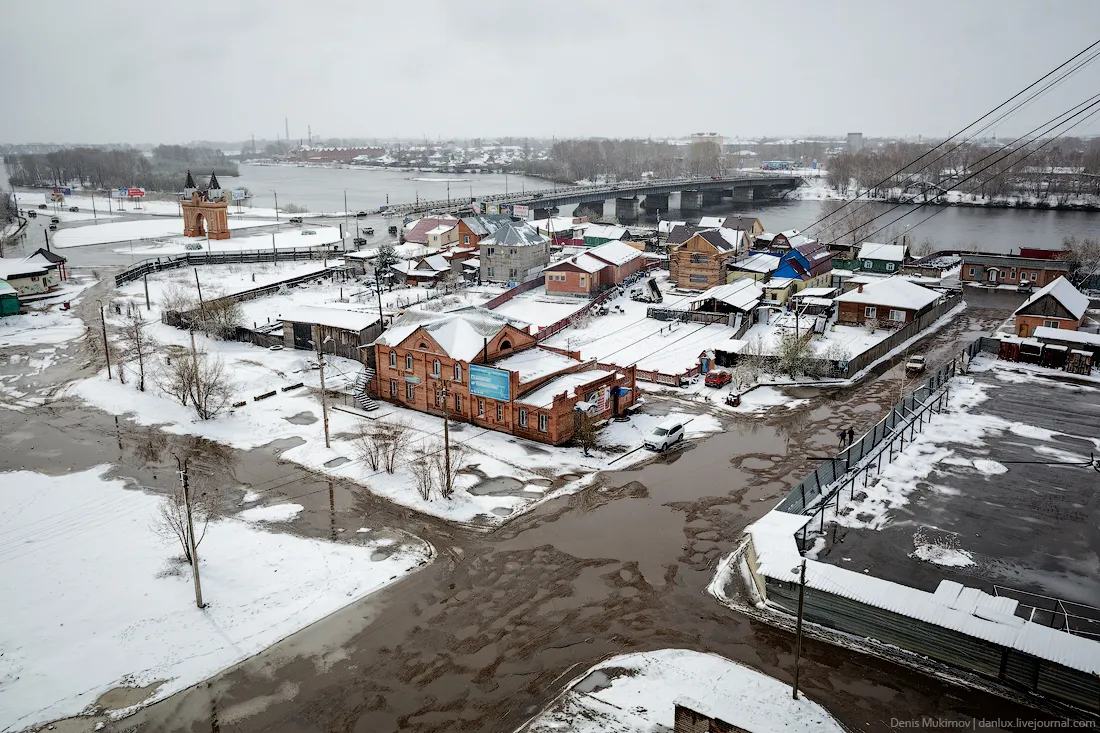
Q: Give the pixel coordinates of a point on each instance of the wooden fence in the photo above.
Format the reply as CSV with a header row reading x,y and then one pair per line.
x,y
156,264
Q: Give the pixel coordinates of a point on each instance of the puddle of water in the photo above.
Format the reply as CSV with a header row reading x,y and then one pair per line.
x,y
502,511
283,444
756,464
542,482
124,697
338,461
302,418
594,682
503,486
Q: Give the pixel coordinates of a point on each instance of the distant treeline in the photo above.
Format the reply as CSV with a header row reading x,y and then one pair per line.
x,y
165,170
1065,168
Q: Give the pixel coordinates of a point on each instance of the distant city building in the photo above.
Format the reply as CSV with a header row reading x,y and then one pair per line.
x,y
855,142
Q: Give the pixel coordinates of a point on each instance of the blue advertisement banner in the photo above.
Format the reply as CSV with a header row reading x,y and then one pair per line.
x,y
488,382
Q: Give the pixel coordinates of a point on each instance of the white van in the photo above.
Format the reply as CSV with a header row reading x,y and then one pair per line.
x,y
668,433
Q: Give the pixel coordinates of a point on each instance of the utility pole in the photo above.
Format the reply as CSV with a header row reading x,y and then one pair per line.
x,y
346,215
274,250
202,305
191,546
444,393
378,289
145,277
94,216
321,364
798,631
276,206
106,347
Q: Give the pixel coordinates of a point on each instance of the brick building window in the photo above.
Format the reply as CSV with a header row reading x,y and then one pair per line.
x,y
523,418
393,360
466,239
458,372
970,271
408,362
511,253
393,388
1050,324
500,413
410,392
435,367
584,281
480,407
544,422
438,399
870,311
1034,276
1012,274
896,315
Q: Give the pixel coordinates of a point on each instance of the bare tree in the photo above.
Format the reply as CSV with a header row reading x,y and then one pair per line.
x,y
393,439
211,389
369,445
447,476
137,346
745,374
423,473
174,377
872,324
587,433
793,355
170,521
177,298
1084,256
220,318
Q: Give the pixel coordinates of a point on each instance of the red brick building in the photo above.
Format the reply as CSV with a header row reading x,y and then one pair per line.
x,y
891,302
1057,305
597,269
477,367
1012,270
472,229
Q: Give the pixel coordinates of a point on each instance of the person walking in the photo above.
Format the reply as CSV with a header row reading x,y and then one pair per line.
x,y
842,434
851,437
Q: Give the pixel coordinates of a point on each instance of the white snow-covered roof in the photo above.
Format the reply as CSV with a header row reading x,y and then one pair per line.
x,y
341,318
40,260
888,252
814,293
711,222
11,268
461,334
741,294
664,227
429,266
735,237
442,229
536,363
953,606
1065,334
896,292
615,252
6,289
1063,291
779,282
544,395
824,302
762,263
605,231
586,262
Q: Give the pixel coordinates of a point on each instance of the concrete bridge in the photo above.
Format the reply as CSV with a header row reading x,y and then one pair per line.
x,y
629,196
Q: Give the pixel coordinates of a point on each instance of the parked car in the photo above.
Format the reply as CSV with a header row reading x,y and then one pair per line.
x,y
667,434
74,208
55,220
41,206
369,231
717,378
32,214
359,242
915,364
360,213
393,231
309,231
1024,286
295,220
53,227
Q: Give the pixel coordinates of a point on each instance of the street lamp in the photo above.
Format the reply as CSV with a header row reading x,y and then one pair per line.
x,y
276,204
798,631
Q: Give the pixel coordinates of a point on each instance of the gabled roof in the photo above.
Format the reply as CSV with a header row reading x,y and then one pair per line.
x,y
735,237
461,334
584,262
895,292
741,294
50,256
418,232
763,263
515,234
744,223
664,227
347,320
442,229
682,233
714,238
887,252
1072,299
6,289
711,222
615,252
485,224
11,269
39,260
605,231
1065,334
429,266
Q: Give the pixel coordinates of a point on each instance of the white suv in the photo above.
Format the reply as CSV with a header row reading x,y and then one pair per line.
x,y
668,433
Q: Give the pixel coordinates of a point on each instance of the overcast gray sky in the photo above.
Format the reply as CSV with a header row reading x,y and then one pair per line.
x,y
179,71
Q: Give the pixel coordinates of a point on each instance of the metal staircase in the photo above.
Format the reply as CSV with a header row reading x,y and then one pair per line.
x,y
362,397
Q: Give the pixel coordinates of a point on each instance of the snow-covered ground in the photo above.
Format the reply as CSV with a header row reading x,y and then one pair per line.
x,y
100,601
637,693
218,280
152,207
287,238
123,231
49,326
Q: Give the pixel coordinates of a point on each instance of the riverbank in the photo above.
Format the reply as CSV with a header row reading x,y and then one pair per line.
x,y
821,191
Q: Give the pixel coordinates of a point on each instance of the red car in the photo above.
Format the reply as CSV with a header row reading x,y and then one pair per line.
x,y
717,378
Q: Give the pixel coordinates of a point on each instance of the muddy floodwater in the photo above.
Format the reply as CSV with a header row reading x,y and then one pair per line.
x,y
484,637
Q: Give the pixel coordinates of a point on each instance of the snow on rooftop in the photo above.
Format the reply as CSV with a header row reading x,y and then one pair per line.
x,y
735,237
888,252
741,294
1063,291
14,268
605,231
711,222
1065,334
461,334
615,252
441,229
515,233
341,318
892,291
664,227
815,293
536,363
762,262
544,395
965,610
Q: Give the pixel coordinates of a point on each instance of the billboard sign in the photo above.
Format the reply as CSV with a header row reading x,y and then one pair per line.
x,y
521,210
492,209
492,383
477,206
239,194
119,193
64,191
135,192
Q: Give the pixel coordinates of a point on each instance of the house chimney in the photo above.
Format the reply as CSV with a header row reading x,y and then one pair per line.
x,y
860,290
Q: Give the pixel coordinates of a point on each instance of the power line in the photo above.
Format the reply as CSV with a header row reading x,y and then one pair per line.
x,y
967,127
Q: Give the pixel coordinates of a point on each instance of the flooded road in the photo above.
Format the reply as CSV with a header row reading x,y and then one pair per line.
x,y
485,636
